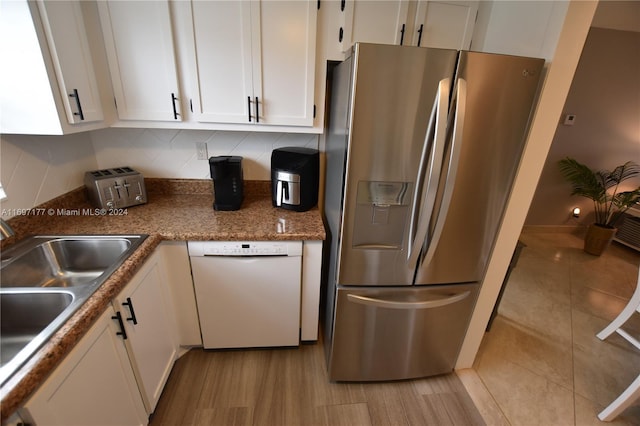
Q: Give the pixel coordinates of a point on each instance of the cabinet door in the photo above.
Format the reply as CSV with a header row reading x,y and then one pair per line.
x,y
222,31
375,21
284,61
255,61
94,385
445,24
138,37
150,327
67,38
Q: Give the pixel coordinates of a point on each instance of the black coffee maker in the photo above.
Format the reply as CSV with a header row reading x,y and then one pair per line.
x,y
226,172
294,178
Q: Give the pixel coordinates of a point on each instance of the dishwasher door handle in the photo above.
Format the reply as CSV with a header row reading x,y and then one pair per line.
x,y
391,304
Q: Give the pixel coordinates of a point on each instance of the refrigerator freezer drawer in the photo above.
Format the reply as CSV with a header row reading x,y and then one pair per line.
x,y
386,333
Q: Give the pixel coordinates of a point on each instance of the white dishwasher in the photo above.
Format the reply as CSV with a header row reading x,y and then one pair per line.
x,y
248,293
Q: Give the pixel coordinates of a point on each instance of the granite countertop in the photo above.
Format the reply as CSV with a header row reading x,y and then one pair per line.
x,y
177,210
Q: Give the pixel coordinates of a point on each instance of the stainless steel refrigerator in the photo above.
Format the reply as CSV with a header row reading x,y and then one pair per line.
x,y
421,151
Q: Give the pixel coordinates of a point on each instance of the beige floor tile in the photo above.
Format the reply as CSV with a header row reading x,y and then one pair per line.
x,y
529,349
603,369
526,398
542,362
587,414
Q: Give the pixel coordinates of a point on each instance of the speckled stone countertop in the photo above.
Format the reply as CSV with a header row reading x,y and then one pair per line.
x,y
177,210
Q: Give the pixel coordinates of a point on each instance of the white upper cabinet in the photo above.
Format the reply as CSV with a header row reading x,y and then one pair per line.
x,y
426,23
138,37
255,62
224,64
64,27
47,81
374,21
444,24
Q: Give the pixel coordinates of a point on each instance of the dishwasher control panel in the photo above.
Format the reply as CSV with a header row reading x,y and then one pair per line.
x,y
245,248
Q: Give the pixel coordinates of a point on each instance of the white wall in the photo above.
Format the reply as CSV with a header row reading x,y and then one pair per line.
x,y
35,169
172,153
605,98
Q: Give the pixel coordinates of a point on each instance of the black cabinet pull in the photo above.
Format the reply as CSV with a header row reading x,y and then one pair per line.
x,y
129,304
342,4
175,110
402,35
257,111
420,34
122,331
78,104
340,35
249,107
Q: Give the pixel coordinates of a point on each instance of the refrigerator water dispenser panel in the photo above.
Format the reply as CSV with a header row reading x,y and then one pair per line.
x,y
381,214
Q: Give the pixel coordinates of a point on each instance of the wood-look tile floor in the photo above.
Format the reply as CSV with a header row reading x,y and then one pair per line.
x,y
284,387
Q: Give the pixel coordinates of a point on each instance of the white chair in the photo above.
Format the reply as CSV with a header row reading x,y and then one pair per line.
x,y
632,393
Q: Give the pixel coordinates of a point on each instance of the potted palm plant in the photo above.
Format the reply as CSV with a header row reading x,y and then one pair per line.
x,y
603,188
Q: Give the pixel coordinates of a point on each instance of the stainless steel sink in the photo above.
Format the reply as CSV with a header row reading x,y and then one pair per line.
x,y
24,315
44,280
61,262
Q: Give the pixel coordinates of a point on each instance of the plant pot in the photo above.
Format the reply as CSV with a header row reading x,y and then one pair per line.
x,y
598,239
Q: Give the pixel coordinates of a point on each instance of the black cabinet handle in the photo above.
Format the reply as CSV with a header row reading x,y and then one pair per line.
x,y
257,111
420,34
175,110
340,35
129,304
78,104
249,107
122,331
342,4
402,35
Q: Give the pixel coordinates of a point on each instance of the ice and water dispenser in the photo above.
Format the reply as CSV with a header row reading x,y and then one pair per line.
x,y
381,215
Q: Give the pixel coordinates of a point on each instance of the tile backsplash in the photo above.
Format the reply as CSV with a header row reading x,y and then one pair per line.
x,y
172,153
35,169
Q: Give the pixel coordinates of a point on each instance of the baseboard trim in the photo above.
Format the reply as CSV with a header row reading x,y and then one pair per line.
x,y
482,398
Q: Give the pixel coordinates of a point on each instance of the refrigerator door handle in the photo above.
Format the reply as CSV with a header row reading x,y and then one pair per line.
x,y
392,304
424,196
460,103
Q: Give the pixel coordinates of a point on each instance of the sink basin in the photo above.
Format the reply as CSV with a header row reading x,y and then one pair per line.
x,y
43,282
61,262
24,315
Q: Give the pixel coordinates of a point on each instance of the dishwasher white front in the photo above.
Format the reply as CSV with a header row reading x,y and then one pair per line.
x,y
248,293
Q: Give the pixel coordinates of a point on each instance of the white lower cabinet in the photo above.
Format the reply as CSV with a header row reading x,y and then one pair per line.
x,y
116,373
149,324
94,385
